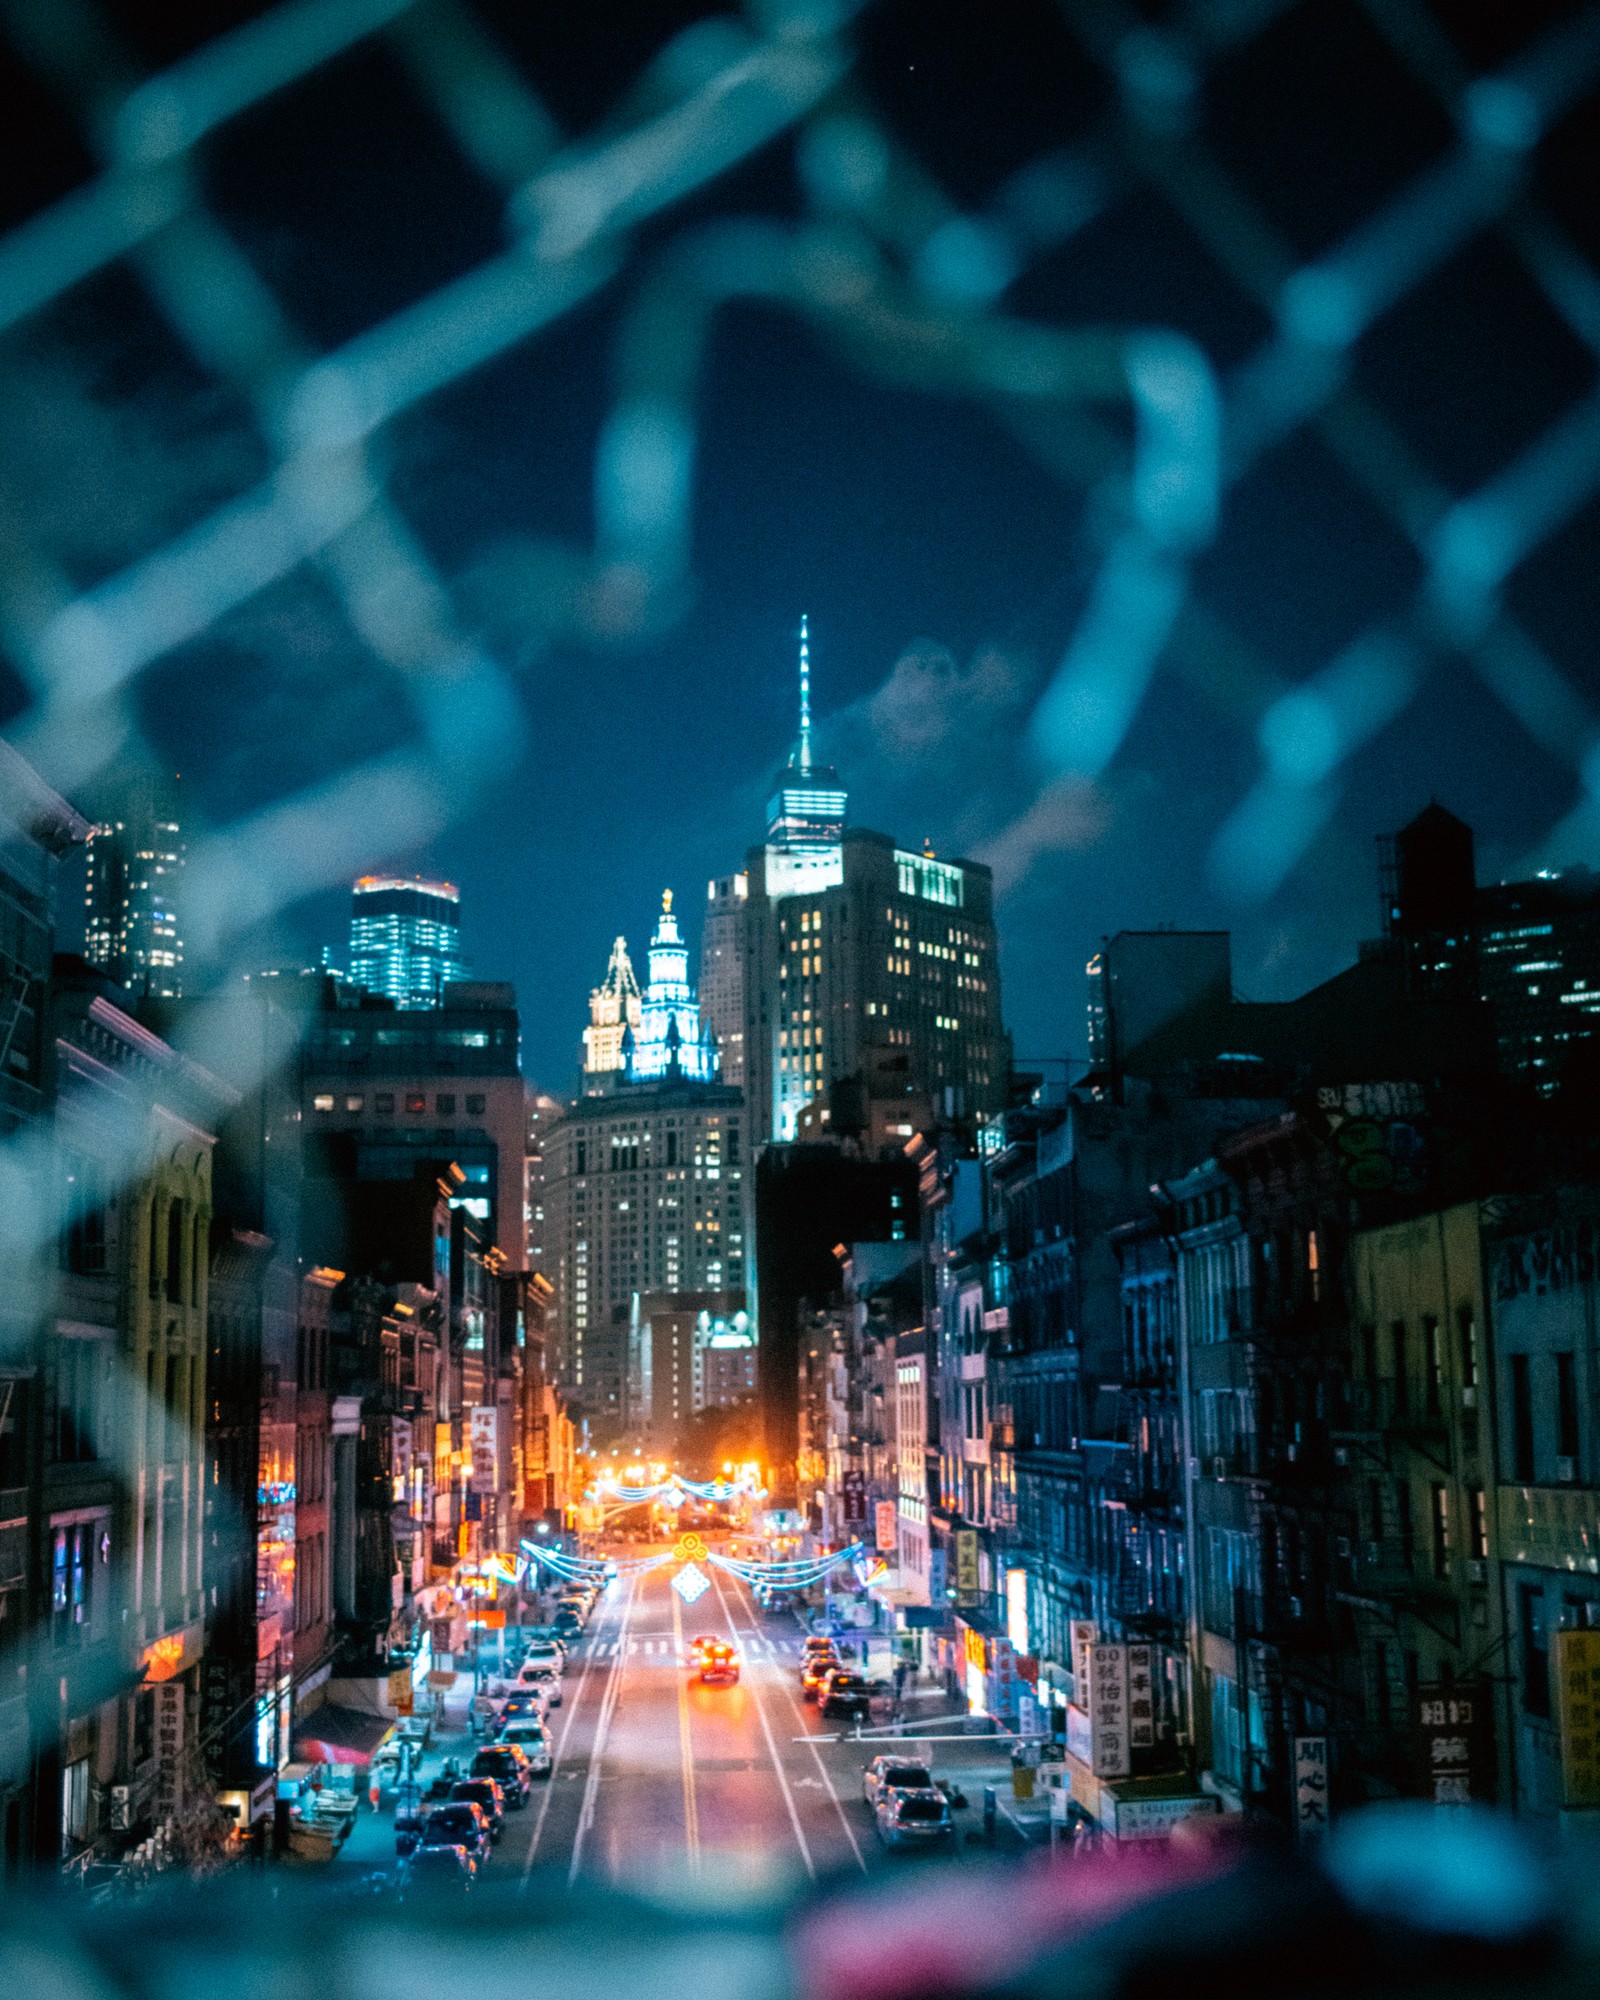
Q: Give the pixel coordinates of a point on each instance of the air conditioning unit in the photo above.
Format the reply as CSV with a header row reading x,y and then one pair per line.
x,y
1469,1399
1566,1471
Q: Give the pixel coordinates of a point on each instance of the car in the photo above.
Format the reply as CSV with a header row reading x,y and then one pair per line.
x,y
814,1670
532,1738
522,1701
918,1818
567,1621
544,1653
485,1792
536,1677
509,1765
893,1774
457,1823
441,1869
719,1665
697,1646
845,1694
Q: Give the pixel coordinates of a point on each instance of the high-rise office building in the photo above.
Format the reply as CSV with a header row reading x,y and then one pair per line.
x,y
614,1010
405,938
133,928
722,971
860,955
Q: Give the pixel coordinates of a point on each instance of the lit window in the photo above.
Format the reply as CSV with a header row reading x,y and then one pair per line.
x,y
416,1101
323,1101
353,1103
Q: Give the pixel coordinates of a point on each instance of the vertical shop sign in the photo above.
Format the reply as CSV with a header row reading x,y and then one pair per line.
x,y
966,1540
1108,1710
1141,1697
1310,1786
1084,1635
1455,1750
485,1448
887,1534
1577,1665
169,1748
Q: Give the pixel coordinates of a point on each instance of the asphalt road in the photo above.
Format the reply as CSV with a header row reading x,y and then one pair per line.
x,y
660,1783
664,1786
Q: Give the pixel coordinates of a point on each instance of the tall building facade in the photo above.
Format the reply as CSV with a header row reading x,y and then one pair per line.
x,y
860,955
722,971
644,1192
133,930
405,938
614,1013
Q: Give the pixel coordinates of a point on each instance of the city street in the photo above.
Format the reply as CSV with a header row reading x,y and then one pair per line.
x,y
663,1785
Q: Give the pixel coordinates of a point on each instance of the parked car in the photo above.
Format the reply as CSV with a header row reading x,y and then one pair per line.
x,y
567,1621
437,1869
893,1774
457,1823
508,1765
532,1738
845,1694
486,1792
544,1653
542,1678
914,1818
522,1702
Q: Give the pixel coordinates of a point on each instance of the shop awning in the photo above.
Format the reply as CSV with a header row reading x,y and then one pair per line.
x,y
333,1735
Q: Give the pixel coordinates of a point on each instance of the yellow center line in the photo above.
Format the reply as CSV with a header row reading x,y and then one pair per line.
x,y
691,1808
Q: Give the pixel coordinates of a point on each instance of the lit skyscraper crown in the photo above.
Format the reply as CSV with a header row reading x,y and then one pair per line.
x,y
808,808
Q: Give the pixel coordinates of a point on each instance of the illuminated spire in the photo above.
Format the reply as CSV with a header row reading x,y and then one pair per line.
x,y
805,694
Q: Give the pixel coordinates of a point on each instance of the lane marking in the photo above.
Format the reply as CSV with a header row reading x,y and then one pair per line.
x,y
691,1805
602,1729
591,1654
822,1769
772,1747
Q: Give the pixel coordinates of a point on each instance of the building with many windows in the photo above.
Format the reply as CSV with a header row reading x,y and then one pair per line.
x,y
614,1010
405,938
132,900
669,1038
643,1193
722,971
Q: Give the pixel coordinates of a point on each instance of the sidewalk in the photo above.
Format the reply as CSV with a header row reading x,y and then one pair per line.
x,y
370,1845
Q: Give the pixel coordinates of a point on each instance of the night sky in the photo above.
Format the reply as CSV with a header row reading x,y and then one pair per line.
x,y
944,567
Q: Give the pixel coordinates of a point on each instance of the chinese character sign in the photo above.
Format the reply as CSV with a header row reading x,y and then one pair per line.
x,y
1141,1697
1577,1666
485,1448
966,1541
1084,1635
1454,1748
1108,1710
1310,1786
169,1748
887,1533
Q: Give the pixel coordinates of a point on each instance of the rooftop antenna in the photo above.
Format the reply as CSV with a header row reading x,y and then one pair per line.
x,y
805,694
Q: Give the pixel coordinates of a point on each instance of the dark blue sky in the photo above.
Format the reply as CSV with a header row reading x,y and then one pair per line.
x,y
943,566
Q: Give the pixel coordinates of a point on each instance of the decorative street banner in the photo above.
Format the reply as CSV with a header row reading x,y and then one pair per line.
x,y
1108,1710
1577,1670
1310,1786
887,1530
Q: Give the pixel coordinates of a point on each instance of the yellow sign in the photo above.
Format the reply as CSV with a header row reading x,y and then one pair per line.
x,y
162,1658
690,1549
400,1690
966,1541
975,1650
1577,1665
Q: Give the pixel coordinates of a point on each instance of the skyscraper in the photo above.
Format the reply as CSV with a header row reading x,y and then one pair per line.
x,y
722,971
669,1039
863,959
405,938
132,903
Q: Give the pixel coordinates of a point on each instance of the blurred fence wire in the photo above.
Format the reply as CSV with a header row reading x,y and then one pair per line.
x,y
882,258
